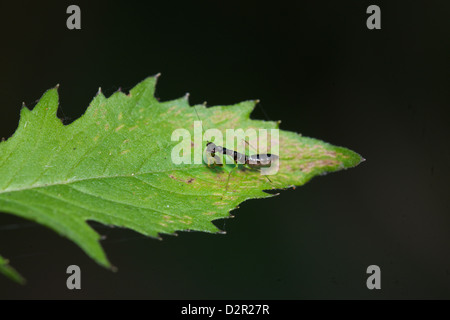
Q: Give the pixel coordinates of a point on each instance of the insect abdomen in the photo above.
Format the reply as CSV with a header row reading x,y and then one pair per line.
x,y
261,160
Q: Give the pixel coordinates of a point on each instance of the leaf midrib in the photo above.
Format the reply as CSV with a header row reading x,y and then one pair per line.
x,y
131,175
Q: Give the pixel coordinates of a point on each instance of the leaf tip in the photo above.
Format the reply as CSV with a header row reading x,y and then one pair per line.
x,y
99,93
24,112
10,272
19,279
352,159
48,103
146,88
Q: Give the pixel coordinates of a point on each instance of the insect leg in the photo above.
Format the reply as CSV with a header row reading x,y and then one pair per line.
x,y
214,160
257,169
228,180
217,160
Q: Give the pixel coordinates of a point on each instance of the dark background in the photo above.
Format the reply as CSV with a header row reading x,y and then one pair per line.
x,y
315,66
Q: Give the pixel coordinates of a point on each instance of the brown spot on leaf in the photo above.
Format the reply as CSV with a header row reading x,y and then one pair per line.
x,y
330,153
190,180
309,166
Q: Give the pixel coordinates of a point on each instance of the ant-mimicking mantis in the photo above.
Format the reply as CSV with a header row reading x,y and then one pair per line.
x,y
255,161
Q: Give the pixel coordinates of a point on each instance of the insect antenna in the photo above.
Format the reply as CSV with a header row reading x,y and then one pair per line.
x,y
217,159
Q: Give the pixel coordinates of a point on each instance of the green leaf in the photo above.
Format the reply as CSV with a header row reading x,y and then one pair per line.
x,y
113,165
9,272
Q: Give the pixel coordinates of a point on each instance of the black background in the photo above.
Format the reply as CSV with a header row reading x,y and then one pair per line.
x,y
315,66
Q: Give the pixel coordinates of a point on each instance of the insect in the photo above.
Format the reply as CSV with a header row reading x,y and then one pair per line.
x,y
254,161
